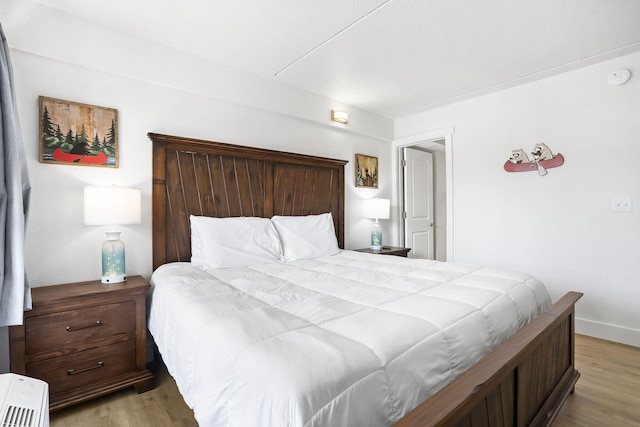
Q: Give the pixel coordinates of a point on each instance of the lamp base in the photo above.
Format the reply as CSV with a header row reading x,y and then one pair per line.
x,y
376,236
114,279
113,266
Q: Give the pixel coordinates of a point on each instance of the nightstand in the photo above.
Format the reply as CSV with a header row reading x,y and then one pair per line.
x,y
85,339
387,250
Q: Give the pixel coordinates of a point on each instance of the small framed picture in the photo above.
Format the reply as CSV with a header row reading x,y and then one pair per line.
x,y
366,171
72,133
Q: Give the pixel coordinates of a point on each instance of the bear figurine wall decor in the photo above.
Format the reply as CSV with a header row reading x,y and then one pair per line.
x,y
543,159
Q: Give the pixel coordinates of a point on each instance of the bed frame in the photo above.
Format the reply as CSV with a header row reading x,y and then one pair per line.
x,y
523,382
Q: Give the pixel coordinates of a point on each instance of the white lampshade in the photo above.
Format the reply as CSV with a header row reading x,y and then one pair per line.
x,y
377,208
111,205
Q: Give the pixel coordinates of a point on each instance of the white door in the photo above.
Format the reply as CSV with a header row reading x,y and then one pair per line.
x,y
418,203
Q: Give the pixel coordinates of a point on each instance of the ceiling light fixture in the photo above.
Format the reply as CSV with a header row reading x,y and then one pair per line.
x,y
340,116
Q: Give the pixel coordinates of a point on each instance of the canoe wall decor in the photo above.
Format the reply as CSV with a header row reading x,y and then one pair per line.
x,y
543,159
72,133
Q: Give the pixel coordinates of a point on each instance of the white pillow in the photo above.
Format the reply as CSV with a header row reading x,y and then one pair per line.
x,y
306,237
233,242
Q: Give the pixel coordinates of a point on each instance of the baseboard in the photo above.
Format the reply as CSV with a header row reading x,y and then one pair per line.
x,y
608,332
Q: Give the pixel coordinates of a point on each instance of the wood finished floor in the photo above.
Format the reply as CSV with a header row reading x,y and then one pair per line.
x,y
607,395
161,407
608,391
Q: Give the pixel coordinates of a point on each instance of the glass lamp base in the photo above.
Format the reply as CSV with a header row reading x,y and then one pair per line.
x,y
376,237
113,267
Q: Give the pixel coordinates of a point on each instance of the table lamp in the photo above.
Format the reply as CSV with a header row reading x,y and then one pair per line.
x,y
377,209
112,206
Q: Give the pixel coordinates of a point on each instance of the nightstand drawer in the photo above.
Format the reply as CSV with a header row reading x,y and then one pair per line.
x,y
86,367
58,330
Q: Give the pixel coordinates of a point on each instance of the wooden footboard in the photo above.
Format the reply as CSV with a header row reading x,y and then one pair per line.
x,y
523,382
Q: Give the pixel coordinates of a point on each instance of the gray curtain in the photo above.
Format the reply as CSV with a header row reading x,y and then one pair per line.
x,y
15,295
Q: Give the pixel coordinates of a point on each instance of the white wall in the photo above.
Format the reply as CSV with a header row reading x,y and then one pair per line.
x,y
559,227
60,248
155,89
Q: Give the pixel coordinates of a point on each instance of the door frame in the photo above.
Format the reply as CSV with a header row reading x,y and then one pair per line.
x,y
445,134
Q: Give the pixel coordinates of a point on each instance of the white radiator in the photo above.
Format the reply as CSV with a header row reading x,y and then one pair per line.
x,y
24,401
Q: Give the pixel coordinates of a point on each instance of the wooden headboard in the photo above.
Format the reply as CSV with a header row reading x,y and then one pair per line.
x,y
196,177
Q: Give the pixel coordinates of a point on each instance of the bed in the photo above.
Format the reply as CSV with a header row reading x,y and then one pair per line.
x,y
344,363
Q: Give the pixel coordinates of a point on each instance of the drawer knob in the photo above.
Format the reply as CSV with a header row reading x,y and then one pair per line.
x,y
90,368
91,325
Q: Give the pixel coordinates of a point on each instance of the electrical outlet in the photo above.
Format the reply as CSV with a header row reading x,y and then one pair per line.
x,y
622,204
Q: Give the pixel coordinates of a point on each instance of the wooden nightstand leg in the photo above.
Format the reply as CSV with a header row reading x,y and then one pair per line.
x,y
145,385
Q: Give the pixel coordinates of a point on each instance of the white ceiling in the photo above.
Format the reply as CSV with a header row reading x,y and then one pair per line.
x,y
393,57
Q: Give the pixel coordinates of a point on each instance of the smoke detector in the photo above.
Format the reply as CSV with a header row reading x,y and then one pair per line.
x,y
619,77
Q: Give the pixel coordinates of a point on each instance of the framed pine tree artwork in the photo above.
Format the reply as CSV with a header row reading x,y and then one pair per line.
x,y
366,171
72,133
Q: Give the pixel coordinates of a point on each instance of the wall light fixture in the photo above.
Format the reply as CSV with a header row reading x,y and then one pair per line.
x,y
340,116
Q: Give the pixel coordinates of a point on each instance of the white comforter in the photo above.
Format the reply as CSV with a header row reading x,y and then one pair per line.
x,y
347,340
